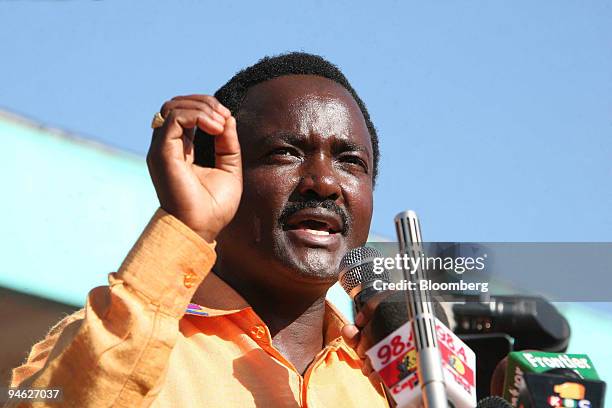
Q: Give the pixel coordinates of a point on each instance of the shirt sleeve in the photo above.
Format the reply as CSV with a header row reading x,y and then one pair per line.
x,y
115,350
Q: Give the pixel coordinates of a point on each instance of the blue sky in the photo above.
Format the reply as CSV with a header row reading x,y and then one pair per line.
x,y
495,117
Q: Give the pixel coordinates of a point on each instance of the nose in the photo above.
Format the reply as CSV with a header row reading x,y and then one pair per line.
x,y
319,179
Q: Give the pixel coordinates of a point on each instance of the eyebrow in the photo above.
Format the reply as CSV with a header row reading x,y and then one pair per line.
x,y
284,136
339,144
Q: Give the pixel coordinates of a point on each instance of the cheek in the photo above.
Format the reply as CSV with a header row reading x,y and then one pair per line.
x,y
359,203
267,190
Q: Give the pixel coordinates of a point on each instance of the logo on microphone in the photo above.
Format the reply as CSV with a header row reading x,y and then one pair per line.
x,y
570,394
408,365
456,363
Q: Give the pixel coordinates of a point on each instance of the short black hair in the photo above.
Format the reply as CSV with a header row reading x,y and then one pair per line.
x,y
232,94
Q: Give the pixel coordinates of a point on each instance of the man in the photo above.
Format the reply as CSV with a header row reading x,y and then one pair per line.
x,y
271,212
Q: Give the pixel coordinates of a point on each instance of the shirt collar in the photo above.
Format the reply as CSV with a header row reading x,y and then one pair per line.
x,y
217,298
214,297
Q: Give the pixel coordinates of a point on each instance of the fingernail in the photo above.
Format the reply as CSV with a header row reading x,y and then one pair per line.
x,y
224,111
219,118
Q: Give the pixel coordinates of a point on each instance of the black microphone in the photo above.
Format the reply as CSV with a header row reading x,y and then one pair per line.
x,y
532,321
493,402
392,313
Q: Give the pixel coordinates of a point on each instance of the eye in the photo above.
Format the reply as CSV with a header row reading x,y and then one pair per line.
x,y
283,151
285,154
355,160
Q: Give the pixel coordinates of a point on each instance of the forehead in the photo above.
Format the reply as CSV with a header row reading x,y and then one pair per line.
x,y
305,104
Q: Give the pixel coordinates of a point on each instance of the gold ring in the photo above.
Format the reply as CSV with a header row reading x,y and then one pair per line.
x,y
158,121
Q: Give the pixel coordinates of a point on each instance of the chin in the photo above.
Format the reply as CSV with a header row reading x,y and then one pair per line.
x,y
315,265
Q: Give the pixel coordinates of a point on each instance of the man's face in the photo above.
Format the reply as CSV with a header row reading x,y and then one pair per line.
x,y
308,167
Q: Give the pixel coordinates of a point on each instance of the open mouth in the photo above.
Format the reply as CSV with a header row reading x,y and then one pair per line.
x,y
315,227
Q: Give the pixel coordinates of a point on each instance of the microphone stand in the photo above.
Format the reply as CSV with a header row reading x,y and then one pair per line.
x,y
420,313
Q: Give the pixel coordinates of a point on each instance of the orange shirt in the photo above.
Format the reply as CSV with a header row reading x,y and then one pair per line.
x,y
167,333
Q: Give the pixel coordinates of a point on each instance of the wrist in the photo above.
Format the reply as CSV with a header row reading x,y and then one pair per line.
x,y
205,233
207,236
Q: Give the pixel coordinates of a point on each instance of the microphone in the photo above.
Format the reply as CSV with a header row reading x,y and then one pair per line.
x,y
552,390
490,348
496,326
392,313
393,356
431,376
532,321
395,359
357,276
493,402
541,379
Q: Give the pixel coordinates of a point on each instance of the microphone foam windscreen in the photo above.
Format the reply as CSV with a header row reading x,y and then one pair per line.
x,y
357,268
493,402
392,312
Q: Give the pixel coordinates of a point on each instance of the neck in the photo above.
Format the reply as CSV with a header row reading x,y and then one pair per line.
x,y
294,317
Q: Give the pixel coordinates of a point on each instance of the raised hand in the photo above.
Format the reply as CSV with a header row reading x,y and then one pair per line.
x,y
205,199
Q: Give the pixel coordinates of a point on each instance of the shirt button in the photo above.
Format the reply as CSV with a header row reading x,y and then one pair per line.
x,y
258,332
189,279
